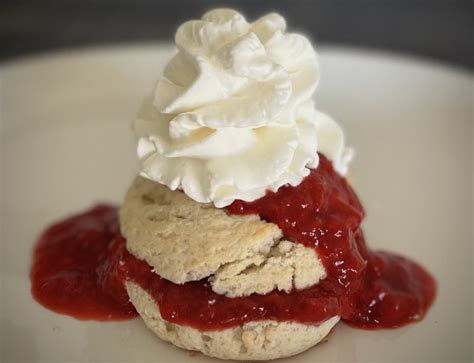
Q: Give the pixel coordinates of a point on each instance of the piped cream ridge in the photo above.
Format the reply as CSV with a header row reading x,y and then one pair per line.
x,y
233,115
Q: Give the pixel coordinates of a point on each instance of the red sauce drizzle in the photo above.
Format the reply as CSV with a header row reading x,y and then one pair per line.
x,y
86,257
373,289
73,265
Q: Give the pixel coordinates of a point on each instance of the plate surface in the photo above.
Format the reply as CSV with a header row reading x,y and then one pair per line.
x,y
67,143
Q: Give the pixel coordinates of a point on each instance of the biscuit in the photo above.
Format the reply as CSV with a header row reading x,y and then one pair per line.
x,y
185,241
258,340
287,265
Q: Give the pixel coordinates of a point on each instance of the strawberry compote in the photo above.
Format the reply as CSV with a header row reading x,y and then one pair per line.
x,y
80,266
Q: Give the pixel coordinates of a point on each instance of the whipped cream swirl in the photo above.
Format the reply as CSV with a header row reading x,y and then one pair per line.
x,y
234,115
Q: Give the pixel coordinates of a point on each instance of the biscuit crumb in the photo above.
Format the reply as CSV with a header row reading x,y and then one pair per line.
x,y
257,340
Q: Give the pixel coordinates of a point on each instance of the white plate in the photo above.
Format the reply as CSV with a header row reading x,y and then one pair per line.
x,y
67,143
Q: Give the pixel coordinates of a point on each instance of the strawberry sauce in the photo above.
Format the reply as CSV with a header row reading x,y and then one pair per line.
x,y
80,266
73,268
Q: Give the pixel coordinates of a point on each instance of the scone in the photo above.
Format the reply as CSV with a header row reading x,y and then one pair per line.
x,y
185,241
239,255
257,340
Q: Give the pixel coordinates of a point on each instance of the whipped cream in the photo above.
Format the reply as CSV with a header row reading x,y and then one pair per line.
x,y
234,115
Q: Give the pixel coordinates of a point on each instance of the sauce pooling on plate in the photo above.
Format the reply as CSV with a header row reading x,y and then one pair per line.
x,y
373,289
81,264
73,270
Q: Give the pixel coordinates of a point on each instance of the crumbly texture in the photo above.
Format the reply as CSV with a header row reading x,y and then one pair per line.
x,y
259,340
184,241
287,265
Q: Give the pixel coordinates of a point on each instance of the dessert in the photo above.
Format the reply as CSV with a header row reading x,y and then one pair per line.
x,y
241,237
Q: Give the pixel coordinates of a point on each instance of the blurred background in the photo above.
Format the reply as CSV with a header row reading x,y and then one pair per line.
x,y
437,29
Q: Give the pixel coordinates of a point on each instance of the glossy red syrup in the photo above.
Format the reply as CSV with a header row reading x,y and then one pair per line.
x,y
368,289
72,265
372,289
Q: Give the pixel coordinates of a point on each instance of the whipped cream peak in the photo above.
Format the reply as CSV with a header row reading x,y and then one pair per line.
x,y
233,116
